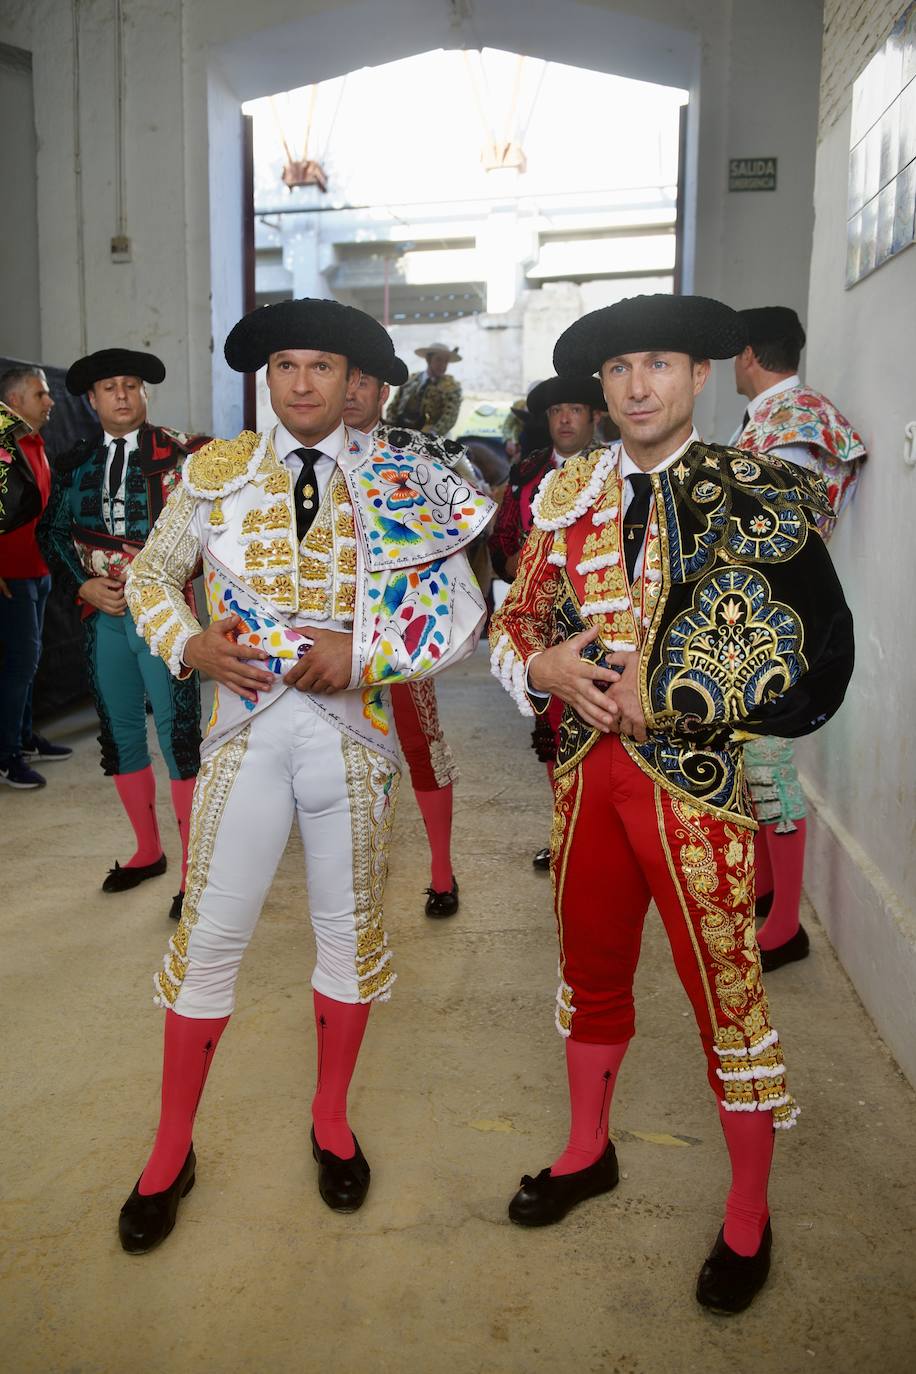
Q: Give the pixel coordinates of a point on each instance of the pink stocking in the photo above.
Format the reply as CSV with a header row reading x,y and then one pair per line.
x,y
436,810
187,1055
182,797
749,1138
787,857
138,797
340,1027
592,1073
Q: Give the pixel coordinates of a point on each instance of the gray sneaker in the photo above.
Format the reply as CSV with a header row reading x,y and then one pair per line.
x,y
15,772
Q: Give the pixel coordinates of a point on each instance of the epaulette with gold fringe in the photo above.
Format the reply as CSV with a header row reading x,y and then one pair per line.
x,y
223,465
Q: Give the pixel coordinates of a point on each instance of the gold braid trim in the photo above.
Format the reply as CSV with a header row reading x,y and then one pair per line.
x,y
211,793
372,788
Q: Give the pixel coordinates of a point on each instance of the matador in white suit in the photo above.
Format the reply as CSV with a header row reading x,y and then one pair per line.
x,y
333,569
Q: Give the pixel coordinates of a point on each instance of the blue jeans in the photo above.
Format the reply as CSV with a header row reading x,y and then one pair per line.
x,y
22,617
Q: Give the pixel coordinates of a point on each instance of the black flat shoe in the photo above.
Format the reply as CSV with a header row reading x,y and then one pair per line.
x,y
543,1200
120,879
145,1221
342,1183
541,859
762,906
175,908
442,903
729,1282
788,953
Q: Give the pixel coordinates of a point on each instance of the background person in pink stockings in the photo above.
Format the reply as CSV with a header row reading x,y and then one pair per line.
x,y
433,771
786,419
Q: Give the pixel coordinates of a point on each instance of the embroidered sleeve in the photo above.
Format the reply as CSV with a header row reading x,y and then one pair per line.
x,y
55,538
157,578
449,405
523,625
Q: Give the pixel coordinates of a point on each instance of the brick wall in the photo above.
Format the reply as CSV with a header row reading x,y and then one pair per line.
x,y
853,30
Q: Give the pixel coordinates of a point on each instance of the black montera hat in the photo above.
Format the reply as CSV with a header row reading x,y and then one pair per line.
x,y
309,323
113,362
773,324
396,372
582,390
697,325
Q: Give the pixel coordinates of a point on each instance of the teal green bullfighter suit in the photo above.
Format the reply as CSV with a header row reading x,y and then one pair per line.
x,y
82,540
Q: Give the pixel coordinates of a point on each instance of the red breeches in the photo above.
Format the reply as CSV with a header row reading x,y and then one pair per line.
x,y
416,719
621,841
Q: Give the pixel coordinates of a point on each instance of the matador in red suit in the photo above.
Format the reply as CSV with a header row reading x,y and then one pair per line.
x,y
569,406
678,597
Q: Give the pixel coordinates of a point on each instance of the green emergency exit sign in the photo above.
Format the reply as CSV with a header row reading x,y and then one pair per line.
x,y
752,174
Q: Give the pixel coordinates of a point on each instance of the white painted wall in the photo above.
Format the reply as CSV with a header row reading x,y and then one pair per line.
x,y
861,769
20,318
188,62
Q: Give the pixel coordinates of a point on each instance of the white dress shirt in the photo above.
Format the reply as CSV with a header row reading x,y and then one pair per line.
x,y
792,453
330,447
627,466
113,501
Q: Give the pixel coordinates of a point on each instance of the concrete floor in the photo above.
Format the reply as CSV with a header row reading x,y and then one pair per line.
x,y
460,1089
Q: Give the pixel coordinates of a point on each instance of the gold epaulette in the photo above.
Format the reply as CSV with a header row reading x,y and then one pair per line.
x,y
566,494
223,465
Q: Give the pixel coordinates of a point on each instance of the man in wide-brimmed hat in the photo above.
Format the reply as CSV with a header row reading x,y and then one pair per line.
x,y
429,401
789,420
333,568
678,597
569,406
106,496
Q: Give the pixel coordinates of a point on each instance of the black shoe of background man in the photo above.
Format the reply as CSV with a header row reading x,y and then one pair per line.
x,y
439,904
788,953
729,1282
543,1200
342,1183
542,859
41,750
121,879
145,1221
175,908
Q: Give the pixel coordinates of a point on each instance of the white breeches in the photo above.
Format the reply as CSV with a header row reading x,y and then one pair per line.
x,y
287,761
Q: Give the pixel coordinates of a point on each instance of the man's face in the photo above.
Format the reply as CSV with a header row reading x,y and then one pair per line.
x,y
32,400
120,403
437,363
571,427
308,391
650,396
365,403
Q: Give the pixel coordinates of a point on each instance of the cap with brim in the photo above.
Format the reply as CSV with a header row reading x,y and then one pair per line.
x,y
453,354
697,325
113,362
395,373
572,390
328,326
773,324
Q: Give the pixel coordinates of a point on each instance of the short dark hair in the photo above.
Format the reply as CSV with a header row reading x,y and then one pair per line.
x,y
13,378
778,355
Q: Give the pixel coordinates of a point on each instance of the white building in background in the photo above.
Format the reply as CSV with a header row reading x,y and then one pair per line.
x,y
489,205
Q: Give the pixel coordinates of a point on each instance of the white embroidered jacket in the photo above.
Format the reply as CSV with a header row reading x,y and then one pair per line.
x,y
384,559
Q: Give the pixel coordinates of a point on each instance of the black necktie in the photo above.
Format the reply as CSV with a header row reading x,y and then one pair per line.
x,y
305,495
744,420
636,518
116,471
